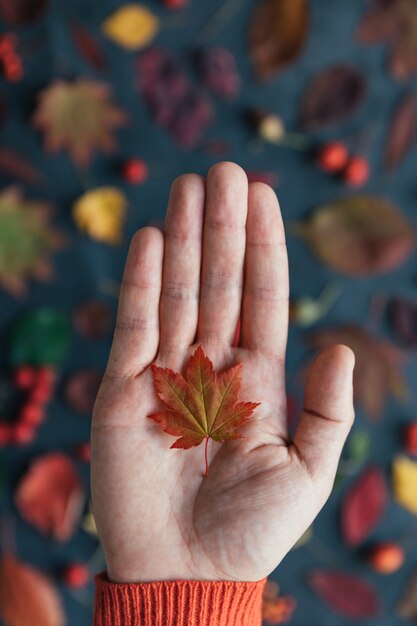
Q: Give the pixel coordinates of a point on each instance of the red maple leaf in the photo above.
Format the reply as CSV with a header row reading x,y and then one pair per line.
x,y
202,404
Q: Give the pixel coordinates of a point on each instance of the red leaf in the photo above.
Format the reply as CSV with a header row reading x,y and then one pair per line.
x,y
402,132
202,404
363,506
333,95
88,47
50,496
350,596
27,596
14,164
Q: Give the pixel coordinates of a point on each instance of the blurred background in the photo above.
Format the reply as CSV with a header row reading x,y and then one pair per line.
x,y
102,105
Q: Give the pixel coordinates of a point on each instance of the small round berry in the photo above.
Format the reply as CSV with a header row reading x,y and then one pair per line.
x,y
410,438
76,575
32,414
333,157
24,377
357,171
23,433
45,375
83,452
386,558
41,393
6,434
135,171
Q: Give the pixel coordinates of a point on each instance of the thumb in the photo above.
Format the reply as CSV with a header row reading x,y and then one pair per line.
x,y
328,413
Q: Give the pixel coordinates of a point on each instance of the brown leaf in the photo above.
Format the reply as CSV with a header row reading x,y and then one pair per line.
x,y
277,34
81,390
20,12
402,132
88,46
377,372
407,607
348,595
333,95
50,496
395,22
27,596
17,166
363,506
360,235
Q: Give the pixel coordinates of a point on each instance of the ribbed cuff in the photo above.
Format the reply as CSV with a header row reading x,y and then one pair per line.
x,y
178,603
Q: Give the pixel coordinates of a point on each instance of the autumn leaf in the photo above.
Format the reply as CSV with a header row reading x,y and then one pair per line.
x,y
17,166
363,506
277,34
202,404
27,240
132,26
402,132
27,596
348,595
100,213
20,12
407,607
332,95
276,609
377,372
402,314
404,478
393,22
50,496
359,235
87,46
78,117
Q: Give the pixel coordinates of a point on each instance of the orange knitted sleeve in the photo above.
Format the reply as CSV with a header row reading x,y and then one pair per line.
x,y
178,603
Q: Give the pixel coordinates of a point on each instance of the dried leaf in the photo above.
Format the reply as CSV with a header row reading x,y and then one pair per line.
x,y
132,26
81,389
218,71
407,607
363,506
402,132
21,12
276,609
395,22
78,117
277,34
41,336
50,496
100,213
377,369
404,477
93,319
348,595
360,235
17,166
88,46
26,241
403,318
89,523
202,404
333,95
27,596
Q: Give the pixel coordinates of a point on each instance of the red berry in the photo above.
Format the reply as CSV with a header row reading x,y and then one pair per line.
x,y
32,414
76,575
357,171
24,376
135,171
83,452
23,433
410,438
41,393
333,157
6,434
386,558
45,375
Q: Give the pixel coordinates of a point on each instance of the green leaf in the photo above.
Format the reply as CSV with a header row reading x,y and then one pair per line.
x,y
40,337
359,444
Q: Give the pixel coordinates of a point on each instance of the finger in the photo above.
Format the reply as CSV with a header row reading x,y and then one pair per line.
x,y
223,253
182,263
136,335
266,285
328,413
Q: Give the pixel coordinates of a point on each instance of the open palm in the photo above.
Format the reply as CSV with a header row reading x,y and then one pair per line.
x,y
222,256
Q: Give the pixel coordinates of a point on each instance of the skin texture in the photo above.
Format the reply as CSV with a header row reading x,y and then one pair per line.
x,y
222,252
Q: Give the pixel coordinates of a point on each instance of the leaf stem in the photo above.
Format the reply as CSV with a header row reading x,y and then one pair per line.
x,y
206,456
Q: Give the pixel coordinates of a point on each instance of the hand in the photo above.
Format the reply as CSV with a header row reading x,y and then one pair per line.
x,y
157,516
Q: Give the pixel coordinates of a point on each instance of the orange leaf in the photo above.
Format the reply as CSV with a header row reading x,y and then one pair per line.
x,y
27,596
50,496
202,404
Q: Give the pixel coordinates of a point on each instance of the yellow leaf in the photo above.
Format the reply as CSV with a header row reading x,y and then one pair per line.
x,y
100,213
404,476
133,26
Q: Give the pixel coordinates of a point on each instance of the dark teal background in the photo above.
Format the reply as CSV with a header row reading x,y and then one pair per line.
x,y
83,268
